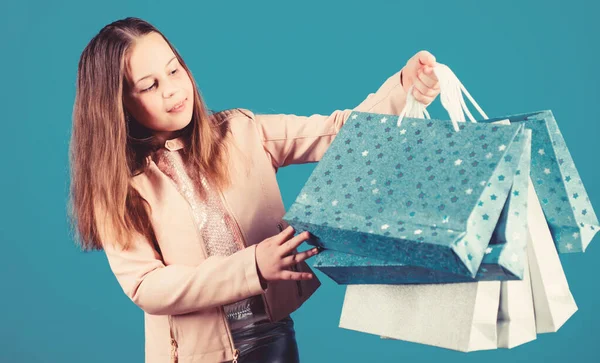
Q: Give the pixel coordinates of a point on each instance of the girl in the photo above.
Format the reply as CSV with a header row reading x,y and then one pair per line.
x,y
185,203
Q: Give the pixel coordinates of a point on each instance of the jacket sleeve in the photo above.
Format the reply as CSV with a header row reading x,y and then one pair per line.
x,y
161,289
290,139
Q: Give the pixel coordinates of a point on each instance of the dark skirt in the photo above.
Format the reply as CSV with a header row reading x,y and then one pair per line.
x,y
267,343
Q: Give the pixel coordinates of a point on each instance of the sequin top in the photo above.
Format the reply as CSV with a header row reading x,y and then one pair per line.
x,y
219,231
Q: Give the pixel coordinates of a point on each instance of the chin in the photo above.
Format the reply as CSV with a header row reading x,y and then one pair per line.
x,y
180,122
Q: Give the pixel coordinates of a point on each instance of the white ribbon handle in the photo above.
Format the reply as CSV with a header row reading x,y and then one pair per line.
x,y
451,97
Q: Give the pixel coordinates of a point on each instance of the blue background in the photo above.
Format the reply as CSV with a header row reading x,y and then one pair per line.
x,y
61,305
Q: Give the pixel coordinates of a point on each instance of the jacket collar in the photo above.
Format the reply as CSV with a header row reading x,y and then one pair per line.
x,y
174,144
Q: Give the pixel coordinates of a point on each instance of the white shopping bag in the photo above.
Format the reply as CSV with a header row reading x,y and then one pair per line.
x,y
516,316
540,303
554,304
465,317
460,316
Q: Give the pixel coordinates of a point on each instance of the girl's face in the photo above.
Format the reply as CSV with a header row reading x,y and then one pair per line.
x,y
159,92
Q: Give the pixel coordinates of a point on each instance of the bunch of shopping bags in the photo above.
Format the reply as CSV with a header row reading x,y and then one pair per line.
x,y
446,232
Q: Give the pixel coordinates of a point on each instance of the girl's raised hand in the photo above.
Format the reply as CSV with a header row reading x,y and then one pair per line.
x,y
418,72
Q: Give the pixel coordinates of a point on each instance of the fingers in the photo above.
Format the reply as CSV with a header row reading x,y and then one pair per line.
x,y
426,86
419,69
429,79
425,90
284,235
293,243
295,258
292,275
423,99
428,70
425,58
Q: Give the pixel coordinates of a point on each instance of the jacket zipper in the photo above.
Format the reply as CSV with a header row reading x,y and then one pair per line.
x,y
174,354
244,243
174,344
236,352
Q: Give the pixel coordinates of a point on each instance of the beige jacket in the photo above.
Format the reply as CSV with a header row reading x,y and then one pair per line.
x,y
182,297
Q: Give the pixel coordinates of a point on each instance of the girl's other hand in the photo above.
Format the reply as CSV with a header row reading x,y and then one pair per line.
x,y
275,255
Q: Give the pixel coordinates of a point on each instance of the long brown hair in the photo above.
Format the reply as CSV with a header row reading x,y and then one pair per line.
x,y
108,147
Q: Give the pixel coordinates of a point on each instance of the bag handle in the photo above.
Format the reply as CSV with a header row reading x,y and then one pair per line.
x,y
451,97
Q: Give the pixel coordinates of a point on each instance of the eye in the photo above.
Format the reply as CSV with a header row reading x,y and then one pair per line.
x,y
149,88
174,71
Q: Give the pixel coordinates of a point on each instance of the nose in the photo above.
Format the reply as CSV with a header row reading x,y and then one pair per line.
x,y
169,89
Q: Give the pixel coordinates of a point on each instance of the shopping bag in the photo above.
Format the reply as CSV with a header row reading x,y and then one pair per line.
x,y
504,259
516,315
376,191
464,316
488,314
515,325
515,322
459,316
565,202
553,301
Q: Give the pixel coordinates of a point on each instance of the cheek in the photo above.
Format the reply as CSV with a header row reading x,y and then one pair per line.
x,y
189,87
150,111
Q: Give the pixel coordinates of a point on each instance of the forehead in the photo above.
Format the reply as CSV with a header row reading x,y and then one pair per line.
x,y
148,55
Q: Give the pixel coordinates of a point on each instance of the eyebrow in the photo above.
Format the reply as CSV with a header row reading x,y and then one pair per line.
x,y
136,82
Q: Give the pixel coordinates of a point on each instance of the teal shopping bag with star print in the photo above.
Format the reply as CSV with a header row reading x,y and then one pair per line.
x,y
505,258
424,193
565,202
567,208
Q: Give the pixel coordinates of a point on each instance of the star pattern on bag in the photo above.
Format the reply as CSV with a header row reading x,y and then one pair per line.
x,y
419,159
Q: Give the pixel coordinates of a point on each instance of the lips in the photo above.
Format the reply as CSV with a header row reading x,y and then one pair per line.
x,y
177,105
